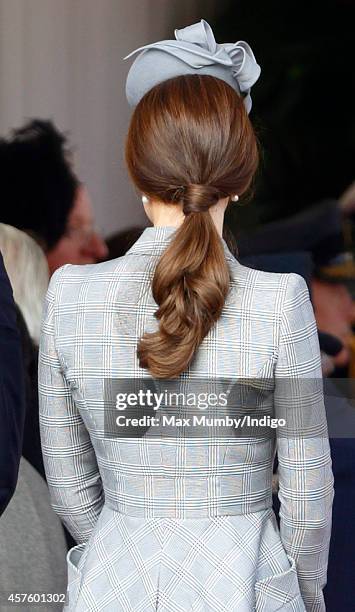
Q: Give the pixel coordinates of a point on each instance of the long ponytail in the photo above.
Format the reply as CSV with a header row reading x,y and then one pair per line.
x,y
190,142
190,285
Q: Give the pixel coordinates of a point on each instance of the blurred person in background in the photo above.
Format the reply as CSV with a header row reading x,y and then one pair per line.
x,y
12,394
28,272
316,234
27,268
32,539
42,195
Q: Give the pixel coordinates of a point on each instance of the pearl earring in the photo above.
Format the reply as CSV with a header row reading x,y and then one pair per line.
x,y
235,198
145,200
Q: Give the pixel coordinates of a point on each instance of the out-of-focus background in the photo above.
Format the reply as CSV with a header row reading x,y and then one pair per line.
x,y
63,59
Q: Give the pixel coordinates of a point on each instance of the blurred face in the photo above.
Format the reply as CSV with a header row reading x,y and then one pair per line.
x,y
81,244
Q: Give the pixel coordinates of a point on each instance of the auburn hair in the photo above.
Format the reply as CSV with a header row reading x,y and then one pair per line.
x,y
190,142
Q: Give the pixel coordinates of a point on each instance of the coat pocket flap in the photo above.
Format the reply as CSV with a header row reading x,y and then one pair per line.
x,y
279,591
74,575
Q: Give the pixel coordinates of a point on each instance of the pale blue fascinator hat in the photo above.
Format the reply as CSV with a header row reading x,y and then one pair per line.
x,y
194,51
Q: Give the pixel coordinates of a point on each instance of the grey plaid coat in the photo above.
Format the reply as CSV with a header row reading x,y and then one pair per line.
x,y
174,526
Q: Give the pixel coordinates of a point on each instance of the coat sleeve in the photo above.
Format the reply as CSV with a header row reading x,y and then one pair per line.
x,y
12,394
305,472
69,458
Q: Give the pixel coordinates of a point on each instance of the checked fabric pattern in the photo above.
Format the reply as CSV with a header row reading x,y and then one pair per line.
x,y
183,524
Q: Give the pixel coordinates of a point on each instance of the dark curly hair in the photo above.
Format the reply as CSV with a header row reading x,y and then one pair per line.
x,y
38,182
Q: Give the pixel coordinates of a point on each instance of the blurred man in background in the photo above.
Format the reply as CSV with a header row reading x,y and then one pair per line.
x,y
42,195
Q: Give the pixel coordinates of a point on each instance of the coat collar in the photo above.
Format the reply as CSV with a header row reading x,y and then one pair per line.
x,y
154,240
